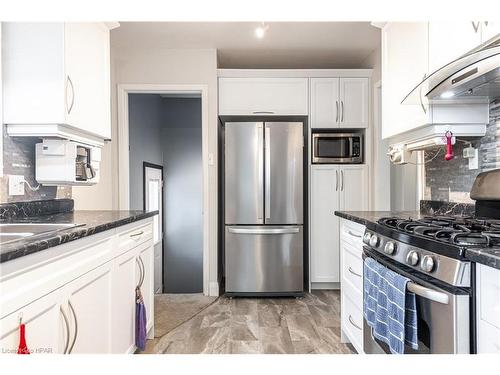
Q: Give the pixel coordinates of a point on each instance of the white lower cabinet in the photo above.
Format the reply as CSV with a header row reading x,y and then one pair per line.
x,y
88,305
333,187
488,309
45,326
351,297
92,313
324,224
125,270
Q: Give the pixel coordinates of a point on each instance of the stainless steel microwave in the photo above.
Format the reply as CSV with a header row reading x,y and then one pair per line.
x,y
337,148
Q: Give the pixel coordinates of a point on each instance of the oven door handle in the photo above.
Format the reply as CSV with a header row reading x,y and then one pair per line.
x,y
428,293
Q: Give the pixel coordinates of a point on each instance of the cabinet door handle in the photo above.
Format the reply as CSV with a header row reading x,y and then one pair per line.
x,y
342,180
76,327
354,234
137,234
141,270
341,111
69,83
66,323
336,180
354,324
263,112
354,273
336,111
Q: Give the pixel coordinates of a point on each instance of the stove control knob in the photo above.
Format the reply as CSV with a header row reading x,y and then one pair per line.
x,y
412,258
366,237
374,240
390,247
427,263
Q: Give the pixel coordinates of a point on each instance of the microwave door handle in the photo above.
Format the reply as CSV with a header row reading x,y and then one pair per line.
x,y
428,293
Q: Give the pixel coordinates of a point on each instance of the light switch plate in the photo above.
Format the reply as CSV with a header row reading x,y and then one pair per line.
x,y
16,184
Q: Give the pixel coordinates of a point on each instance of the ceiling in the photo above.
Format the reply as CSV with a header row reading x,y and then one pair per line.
x,y
286,44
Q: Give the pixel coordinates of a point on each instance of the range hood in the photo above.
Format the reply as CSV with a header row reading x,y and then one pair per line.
x,y
472,78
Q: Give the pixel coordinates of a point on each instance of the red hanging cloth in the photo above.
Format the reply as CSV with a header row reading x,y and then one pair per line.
x,y
23,348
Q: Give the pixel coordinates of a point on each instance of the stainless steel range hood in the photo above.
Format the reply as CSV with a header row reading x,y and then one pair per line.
x,y
472,78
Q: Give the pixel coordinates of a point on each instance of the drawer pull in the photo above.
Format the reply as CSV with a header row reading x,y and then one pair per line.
x,y
354,234
354,273
354,324
137,234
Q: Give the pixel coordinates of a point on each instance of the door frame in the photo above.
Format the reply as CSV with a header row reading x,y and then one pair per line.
x,y
145,165
123,153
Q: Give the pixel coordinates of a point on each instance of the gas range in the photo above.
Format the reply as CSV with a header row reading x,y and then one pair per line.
x,y
433,245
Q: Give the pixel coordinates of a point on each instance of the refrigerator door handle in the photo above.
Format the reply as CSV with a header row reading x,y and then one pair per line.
x,y
290,230
260,142
268,171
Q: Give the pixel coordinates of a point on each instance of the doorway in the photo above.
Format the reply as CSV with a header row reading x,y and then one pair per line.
x,y
166,136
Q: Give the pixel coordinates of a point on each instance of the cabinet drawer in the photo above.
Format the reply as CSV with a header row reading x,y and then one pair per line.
x,y
489,283
352,266
352,317
134,236
352,233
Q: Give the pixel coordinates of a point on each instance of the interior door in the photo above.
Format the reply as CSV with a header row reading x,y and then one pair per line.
x,y
244,176
153,198
284,172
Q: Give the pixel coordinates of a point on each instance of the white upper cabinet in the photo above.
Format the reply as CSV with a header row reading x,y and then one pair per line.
x,y
263,96
57,73
451,39
87,68
404,65
325,107
354,100
339,102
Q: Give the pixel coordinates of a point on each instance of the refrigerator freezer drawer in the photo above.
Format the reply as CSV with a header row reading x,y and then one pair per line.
x,y
264,259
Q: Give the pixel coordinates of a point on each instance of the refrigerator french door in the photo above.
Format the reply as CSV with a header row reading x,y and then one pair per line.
x,y
263,207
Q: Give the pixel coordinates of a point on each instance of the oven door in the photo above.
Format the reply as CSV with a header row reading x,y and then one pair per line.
x,y
338,148
443,315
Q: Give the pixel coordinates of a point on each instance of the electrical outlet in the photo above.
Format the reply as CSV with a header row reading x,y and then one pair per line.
x,y
16,185
474,161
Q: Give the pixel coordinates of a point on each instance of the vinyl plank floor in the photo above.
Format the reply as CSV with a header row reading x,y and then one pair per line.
x,y
258,326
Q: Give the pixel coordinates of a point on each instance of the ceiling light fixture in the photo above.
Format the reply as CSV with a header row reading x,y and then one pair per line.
x,y
261,30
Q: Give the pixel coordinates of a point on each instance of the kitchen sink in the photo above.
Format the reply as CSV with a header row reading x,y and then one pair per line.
x,y
15,231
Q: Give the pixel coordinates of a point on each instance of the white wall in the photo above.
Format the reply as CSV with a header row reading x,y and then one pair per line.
x,y
381,169
150,65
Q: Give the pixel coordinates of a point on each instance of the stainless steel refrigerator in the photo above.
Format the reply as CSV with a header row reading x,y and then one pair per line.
x,y
263,172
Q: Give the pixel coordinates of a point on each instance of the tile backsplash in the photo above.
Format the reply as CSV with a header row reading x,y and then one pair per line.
x,y
19,159
452,180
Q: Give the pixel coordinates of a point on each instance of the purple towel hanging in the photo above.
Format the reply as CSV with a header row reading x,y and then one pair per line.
x,y
140,320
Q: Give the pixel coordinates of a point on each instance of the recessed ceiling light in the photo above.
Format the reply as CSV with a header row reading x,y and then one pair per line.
x,y
260,31
447,94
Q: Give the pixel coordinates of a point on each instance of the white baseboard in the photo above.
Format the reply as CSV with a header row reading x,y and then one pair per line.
x,y
325,286
213,289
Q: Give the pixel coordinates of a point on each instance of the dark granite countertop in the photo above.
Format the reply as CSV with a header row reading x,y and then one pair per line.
x,y
93,222
486,256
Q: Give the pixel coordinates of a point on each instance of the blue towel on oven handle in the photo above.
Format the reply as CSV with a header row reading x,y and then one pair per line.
x,y
389,309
